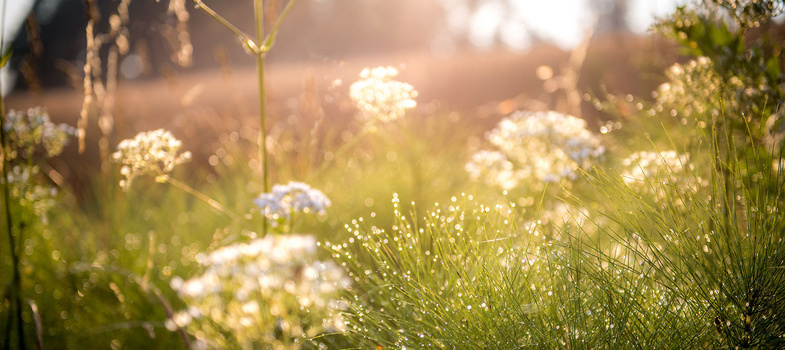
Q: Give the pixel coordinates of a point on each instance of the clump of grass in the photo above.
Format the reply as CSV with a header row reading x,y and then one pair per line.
x,y
724,267
670,251
469,276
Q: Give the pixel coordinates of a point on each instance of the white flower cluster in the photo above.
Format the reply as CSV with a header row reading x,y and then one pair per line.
x,y
692,86
540,146
494,167
380,97
154,153
295,197
659,173
27,129
751,13
261,291
696,90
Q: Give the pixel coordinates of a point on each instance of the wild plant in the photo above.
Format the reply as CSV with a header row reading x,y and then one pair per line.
x,y
381,100
101,78
248,294
258,47
523,137
281,205
28,139
379,97
269,292
537,155
724,267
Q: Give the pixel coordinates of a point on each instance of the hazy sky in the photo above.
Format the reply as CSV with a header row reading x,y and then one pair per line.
x,y
562,21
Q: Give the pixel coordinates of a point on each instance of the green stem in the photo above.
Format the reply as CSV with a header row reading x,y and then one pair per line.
x,y
17,279
247,41
270,39
260,52
211,202
259,19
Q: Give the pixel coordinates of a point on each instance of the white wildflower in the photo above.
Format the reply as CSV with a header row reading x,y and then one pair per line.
x,y
697,92
693,88
543,146
27,129
658,173
154,153
380,97
494,168
250,289
295,197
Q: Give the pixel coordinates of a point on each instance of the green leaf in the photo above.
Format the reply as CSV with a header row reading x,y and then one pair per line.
x,y
6,57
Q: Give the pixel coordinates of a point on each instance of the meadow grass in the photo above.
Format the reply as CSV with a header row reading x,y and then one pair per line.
x,y
420,230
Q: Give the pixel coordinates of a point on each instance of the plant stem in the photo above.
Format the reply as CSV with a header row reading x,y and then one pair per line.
x,y
246,39
17,279
270,39
260,47
259,19
211,202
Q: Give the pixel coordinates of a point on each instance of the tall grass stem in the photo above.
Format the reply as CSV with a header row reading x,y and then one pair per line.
x,y
17,279
247,41
259,48
259,19
211,202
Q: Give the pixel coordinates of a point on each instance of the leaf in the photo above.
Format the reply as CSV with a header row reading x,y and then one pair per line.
x,y
6,57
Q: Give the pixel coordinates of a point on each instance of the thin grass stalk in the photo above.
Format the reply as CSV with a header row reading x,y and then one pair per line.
x,y
17,279
715,171
270,39
106,114
211,202
87,82
259,48
39,328
259,19
245,38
